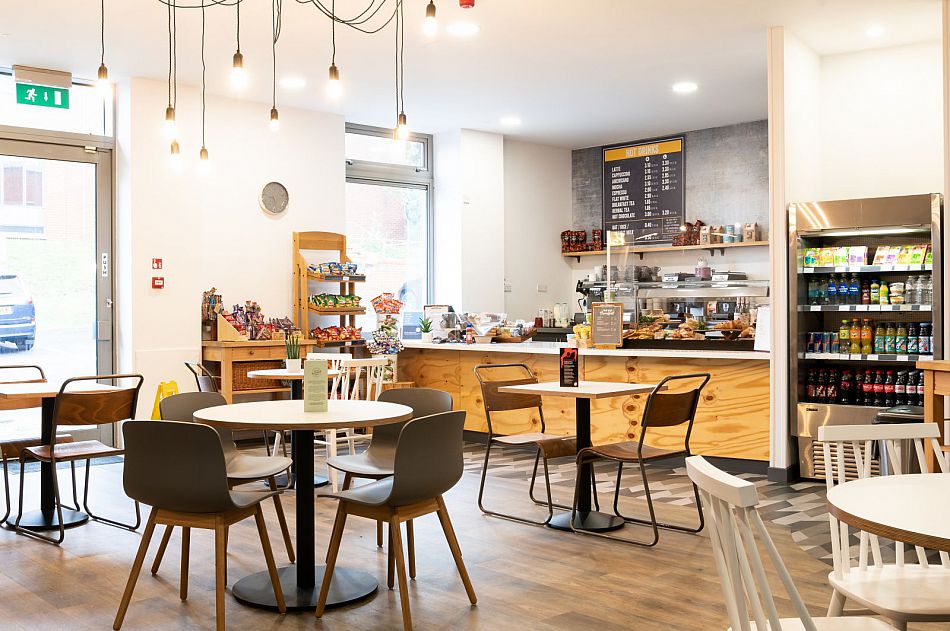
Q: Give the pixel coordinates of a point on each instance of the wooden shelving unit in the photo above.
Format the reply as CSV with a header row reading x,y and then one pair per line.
x,y
640,250
303,277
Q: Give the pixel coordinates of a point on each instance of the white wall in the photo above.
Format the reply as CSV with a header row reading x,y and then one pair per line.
x,y
483,221
209,229
447,228
802,107
537,209
882,122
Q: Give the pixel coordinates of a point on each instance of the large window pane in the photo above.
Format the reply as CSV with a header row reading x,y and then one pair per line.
x,y
387,235
382,149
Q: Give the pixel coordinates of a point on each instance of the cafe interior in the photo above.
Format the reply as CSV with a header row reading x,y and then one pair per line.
x,y
474,314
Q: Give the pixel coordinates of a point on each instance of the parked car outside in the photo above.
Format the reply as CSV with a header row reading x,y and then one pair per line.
x,y
17,313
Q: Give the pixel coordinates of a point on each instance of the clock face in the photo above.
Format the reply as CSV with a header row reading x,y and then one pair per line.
x,y
274,198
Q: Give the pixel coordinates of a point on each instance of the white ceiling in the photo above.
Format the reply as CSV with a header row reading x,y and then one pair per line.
x,y
578,73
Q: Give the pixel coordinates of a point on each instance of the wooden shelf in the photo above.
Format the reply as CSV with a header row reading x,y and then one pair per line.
x,y
338,343
338,310
260,391
640,250
355,278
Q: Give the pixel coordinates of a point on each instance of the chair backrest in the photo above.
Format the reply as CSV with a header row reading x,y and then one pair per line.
x,y
849,452
428,458
734,523
18,378
182,408
73,407
495,401
203,377
667,409
423,401
355,373
333,359
175,466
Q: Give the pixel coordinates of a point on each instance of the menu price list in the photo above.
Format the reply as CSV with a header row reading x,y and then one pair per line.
x,y
644,190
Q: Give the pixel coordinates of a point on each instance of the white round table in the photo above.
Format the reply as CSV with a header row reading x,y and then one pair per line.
x,y
301,582
911,508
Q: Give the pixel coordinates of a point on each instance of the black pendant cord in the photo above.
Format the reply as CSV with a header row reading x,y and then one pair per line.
x,y
238,8
333,32
276,10
169,55
174,55
402,56
102,32
204,69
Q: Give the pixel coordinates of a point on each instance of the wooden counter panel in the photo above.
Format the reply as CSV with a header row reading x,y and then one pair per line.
x,y
732,421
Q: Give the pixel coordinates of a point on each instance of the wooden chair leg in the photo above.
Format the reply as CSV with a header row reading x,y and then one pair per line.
x,y
136,568
396,536
456,550
836,606
391,564
335,538
157,563
220,559
282,520
185,550
269,559
379,534
411,549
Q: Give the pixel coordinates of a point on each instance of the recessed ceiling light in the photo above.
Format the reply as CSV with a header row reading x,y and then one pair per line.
x,y
875,31
510,121
463,29
293,83
685,87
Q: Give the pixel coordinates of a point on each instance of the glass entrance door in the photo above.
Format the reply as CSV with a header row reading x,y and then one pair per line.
x,y
55,268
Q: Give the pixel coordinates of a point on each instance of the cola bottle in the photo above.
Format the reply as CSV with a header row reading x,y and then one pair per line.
x,y
858,387
868,387
889,389
900,388
879,389
846,389
831,393
810,386
821,388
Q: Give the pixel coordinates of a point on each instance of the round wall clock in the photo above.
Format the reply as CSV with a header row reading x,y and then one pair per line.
x,y
274,198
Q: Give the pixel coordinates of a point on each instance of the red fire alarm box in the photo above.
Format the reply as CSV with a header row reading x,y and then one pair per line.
x,y
156,263
158,282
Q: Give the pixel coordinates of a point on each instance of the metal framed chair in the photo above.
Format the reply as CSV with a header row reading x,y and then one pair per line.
x,y
179,469
106,407
428,462
734,526
664,408
901,591
548,446
241,468
204,379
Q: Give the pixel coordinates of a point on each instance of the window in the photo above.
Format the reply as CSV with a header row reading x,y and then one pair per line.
x,y
22,186
12,186
33,188
388,216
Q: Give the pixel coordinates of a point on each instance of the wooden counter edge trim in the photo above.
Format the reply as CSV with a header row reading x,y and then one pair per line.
x,y
890,532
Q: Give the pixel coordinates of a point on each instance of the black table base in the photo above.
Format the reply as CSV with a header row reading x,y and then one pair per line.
x,y
49,520
347,586
588,520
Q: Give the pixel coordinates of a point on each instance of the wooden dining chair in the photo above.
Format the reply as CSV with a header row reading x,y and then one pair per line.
x,y
493,377
179,470
734,528
428,462
903,591
664,408
74,408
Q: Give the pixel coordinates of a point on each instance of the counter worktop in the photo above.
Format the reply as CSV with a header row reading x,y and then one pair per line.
x,y
553,348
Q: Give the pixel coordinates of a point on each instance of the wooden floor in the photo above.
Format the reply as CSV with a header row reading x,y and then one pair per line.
x,y
526,577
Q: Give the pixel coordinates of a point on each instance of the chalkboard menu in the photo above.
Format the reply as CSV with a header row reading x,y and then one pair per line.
x,y
644,188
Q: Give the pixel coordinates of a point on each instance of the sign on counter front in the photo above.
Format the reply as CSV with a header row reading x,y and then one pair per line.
x,y
644,190
315,385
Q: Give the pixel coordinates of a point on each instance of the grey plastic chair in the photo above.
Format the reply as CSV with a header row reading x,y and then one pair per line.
x,y
427,463
179,469
242,468
377,461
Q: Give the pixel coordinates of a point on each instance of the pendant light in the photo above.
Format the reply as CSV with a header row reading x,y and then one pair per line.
x,y
430,26
203,154
175,156
275,32
402,129
102,81
334,87
171,129
238,74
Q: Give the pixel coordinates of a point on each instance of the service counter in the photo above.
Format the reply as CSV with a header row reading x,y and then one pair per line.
x,y
732,420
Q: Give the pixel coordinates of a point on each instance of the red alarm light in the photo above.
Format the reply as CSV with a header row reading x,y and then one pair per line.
x,y
467,4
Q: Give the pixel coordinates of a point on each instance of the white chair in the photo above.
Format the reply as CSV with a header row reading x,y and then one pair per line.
x,y
733,524
901,592
356,375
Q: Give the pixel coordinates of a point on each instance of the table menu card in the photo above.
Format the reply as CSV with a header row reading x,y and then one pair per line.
x,y
606,324
569,367
315,385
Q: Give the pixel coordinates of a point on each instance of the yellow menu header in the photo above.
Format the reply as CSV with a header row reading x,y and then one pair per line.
x,y
639,151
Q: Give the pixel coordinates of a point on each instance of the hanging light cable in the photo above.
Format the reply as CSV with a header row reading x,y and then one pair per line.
x,y
102,83
238,74
334,88
275,31
430,26
203,154
402,128
170,127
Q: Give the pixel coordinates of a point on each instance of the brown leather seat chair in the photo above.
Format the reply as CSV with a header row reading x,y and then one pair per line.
x,y
179,469
548,446
428,462
665,407
71,408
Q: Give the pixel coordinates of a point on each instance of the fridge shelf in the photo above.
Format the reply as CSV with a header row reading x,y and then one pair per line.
x,y
896,267
865,308
889,357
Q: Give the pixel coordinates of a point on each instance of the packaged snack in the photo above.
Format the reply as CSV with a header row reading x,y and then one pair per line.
x,y
929,258
880,254
858,255
826,257
917,254
811,257
841,255
750,232
903,256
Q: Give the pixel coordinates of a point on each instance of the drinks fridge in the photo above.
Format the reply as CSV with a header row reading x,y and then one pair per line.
x,y
865,301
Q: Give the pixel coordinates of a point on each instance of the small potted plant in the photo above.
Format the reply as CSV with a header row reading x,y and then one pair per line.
x,y
292,344
425,325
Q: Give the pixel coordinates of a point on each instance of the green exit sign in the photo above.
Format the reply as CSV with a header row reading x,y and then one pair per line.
x,y
41,95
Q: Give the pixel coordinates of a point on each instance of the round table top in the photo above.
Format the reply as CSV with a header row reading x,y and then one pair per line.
x,y
283,373
289,414
911,508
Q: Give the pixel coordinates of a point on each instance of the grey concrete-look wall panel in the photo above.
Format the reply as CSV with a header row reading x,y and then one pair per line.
x,y
727,178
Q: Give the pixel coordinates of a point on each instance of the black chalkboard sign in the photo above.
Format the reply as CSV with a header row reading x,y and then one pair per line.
x,y
644,190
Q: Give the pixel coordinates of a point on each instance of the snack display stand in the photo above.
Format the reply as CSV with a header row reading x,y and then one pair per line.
x,y
305,278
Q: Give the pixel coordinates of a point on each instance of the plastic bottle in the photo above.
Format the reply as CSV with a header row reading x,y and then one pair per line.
x,y
846,389
821,388
913,338
875,291
920,387
912,290
810,386
854,290
900,388
890,338
889,389
925,339
912,387
469,334
858,387
865,292
879,389
813,291
867,338
868,385
900,342
844,336
879,331
855,346
832,290
831,393
885,297
927,295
